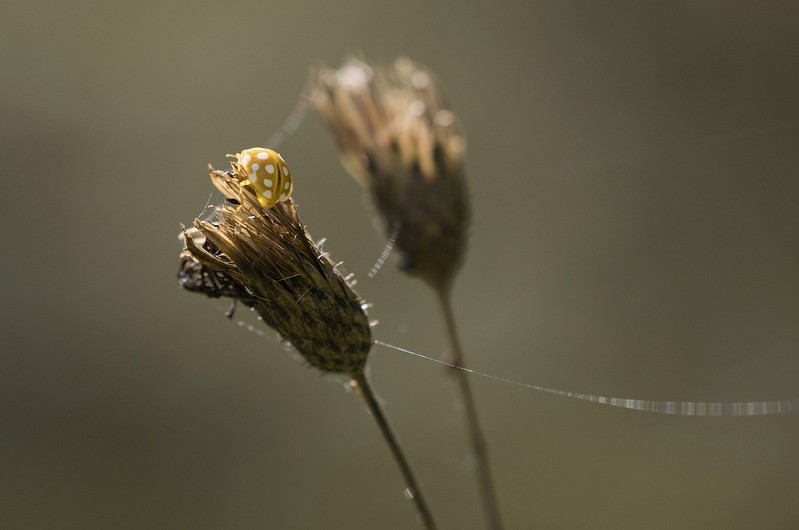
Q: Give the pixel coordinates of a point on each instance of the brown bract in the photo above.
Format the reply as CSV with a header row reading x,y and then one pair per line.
x,y
195,277
266,259
397,136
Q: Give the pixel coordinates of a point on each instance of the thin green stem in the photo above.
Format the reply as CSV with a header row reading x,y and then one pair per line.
x,y
365,390
484,481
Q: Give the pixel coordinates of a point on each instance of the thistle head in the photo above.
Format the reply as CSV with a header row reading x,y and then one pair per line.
x,y
265,258
398,138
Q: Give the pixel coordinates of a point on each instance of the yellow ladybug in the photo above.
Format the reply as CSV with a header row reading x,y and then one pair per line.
x,y
266,172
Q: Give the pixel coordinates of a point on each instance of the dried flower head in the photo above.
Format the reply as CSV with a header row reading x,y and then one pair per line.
x,y
265,258
397,136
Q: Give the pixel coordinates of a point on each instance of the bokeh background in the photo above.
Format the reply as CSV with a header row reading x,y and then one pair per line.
x,y
633,169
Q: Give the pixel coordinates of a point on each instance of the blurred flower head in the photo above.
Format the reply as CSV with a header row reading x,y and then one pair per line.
x,y
398,138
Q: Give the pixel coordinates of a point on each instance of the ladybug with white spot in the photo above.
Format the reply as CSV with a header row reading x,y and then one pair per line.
x,y
266,172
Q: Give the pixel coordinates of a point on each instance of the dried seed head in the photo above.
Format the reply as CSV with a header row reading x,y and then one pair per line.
x,y
397,136
266,259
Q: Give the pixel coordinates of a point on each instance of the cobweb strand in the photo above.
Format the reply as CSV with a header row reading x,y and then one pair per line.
x,y
679,408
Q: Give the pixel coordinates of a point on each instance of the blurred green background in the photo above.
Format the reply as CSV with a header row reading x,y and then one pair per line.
x,y
633,169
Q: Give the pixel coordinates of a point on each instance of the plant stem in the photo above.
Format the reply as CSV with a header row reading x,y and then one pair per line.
x,y
484,481
365,390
